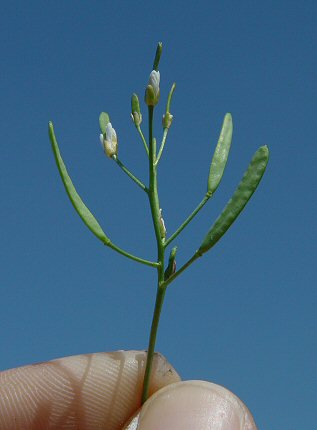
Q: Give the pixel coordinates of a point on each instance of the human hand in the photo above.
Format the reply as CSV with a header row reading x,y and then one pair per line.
x,y
103,391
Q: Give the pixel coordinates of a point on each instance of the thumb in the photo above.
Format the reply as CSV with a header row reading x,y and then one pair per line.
x,y
193,405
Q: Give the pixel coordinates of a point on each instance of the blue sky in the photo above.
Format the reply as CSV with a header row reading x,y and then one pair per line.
x,y
243,316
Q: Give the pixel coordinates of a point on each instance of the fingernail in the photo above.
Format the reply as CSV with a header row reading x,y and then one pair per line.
x,y
194,405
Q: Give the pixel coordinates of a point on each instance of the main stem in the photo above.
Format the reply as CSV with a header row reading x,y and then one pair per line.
x,y
155,211
160,294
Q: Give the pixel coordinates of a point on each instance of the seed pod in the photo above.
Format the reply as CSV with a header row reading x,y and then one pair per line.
x,y
76,200
240,198
220,157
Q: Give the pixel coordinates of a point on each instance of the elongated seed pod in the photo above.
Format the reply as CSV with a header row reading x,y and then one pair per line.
x,y
220,157
74,197
240,198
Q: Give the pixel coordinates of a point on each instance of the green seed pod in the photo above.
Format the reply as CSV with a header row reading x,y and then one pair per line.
x,y
240,198
74,197
220,157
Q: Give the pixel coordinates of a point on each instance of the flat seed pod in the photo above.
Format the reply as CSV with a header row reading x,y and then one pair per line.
x,y
220,157
103,121
77,202
240,198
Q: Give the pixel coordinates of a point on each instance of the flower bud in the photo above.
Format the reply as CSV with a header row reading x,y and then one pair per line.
x,y
171,268
152,92
109,141
135,110
103,121
167,120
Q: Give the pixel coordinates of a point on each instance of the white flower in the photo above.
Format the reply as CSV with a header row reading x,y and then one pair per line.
x,y
110,141
154,81
152,92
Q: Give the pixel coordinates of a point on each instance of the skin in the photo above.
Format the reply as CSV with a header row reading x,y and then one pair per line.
x,y
103,391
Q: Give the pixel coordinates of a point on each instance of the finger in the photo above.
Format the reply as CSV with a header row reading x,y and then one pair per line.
x,y
93,391
193,405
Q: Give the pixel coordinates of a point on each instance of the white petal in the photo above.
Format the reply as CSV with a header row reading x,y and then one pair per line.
x,y
108,131
154,80
111,134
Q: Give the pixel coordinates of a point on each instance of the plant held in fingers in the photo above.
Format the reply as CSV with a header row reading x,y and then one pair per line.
x,y
166,270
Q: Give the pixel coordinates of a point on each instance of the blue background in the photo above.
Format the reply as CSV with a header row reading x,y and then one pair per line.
x,y
244,315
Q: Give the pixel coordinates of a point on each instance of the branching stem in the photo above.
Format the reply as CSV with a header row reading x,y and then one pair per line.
x,y
127,171
143,140
187,221
131,256
162,145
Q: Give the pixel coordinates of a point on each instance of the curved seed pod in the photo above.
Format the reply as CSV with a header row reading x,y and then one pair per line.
x,y
240,198
220,157
77,202
103,121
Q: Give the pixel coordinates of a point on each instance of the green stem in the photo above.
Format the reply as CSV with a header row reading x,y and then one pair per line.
x,y
168,105
131,256
169,98
127,171
162,145
155,211
150,352
187,221
143,139
153,195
